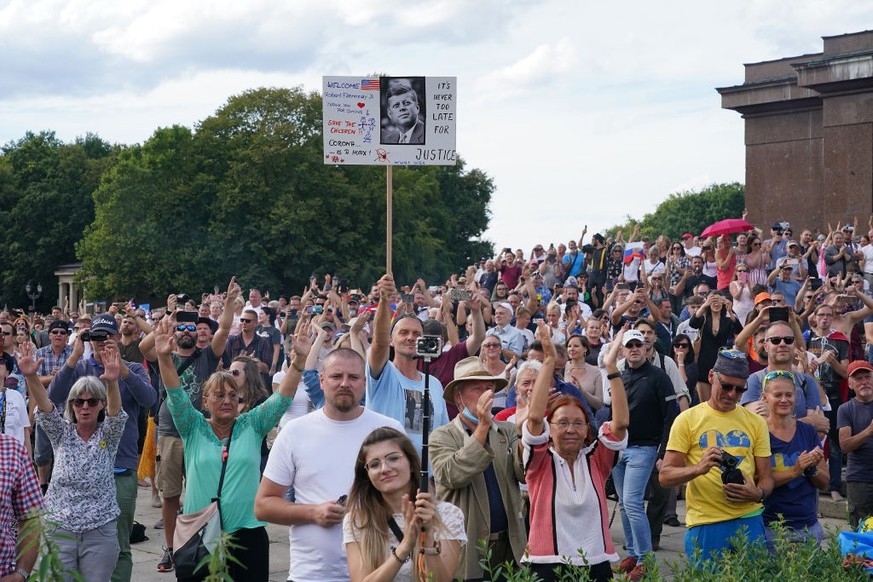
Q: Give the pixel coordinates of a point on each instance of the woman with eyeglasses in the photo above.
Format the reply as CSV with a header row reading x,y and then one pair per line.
x,y
392,530
800,469
206,445
567,464
81,502
489,355
717,324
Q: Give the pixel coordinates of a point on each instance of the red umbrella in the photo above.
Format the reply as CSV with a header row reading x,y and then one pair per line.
x,y
727,226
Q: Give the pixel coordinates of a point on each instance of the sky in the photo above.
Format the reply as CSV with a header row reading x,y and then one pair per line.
x,y
582,113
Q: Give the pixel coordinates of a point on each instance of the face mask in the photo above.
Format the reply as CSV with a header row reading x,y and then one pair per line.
x,y
470,416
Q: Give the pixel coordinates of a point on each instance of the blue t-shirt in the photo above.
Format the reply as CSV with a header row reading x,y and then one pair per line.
x,y
398,397
806,395
796,500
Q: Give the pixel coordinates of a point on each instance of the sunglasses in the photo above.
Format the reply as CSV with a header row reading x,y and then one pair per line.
x,y
58,332
80,402
490,345
728,387
776,340
633,344
236,372
6,332
246,320
682,346
778,374
186,327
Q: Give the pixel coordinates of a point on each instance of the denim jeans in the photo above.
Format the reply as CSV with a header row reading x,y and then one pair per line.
x,y
631,475
91,553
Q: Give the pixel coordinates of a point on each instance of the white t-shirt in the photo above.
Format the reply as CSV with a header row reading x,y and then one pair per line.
x,y
316,455
301,403
16,414
867,250
452,519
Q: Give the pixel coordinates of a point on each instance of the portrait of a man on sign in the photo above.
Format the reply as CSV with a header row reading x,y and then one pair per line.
x,y
403,110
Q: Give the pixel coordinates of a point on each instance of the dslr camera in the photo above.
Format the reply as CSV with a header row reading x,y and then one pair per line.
x,y
428,346
730,472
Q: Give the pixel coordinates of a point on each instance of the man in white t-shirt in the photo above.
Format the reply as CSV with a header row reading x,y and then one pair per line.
x,y
315,455
867,252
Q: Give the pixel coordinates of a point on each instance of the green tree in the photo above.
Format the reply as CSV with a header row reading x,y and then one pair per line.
x,y
45,204
690,211
247,193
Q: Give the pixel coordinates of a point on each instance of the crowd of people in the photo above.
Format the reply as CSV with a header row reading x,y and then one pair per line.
x,y
731,371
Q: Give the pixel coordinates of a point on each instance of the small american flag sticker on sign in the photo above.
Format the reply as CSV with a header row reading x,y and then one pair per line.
x,y
369,84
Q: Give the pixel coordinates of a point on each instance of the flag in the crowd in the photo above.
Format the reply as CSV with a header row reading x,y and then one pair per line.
x,y
633,251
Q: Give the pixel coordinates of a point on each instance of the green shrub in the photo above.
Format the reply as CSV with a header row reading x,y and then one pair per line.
x,y
790,561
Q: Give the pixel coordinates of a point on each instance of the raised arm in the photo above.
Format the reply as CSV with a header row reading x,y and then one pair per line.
x,y
379,349
28,367
539,399
111,371
225,321
620,409
164,342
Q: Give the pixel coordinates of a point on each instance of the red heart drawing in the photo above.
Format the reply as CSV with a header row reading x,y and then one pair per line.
x,y
361,105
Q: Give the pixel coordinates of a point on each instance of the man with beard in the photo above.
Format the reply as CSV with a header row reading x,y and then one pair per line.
x,y
194,365
315,456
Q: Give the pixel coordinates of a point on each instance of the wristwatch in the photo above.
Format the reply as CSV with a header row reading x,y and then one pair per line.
x,y
24,573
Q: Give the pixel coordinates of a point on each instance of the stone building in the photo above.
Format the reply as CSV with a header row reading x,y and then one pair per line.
x,y
809,134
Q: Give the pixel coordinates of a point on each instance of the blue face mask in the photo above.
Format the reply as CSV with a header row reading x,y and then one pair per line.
x,y
470,416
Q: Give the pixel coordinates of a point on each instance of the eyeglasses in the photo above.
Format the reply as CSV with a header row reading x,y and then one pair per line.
x,y
246,320
186,327
565,424
778,374
232,396
776,340
236,372
80,402
390,460
490,345
58,332
728,387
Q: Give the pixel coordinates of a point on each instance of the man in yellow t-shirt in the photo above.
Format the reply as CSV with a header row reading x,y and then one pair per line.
x,y
716,510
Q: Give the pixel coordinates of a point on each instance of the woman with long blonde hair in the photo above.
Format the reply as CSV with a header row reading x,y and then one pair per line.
x,y
393,531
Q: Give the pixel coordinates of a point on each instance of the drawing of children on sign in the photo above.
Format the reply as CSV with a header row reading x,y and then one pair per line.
x,y
403,110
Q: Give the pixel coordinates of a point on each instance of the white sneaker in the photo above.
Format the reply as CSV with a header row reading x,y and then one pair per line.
x,y
835,495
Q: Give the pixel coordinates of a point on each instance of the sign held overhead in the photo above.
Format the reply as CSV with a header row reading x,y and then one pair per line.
x,y
383,121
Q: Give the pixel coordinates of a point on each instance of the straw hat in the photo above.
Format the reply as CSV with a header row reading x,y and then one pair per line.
x,y
470,369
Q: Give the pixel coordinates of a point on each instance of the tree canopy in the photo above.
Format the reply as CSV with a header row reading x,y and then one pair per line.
x,y
690,211
45,204
246,192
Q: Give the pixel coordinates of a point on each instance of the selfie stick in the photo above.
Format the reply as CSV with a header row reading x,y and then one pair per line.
x,y
425,424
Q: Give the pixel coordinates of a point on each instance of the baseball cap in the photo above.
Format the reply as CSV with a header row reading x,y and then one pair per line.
x,y
859,365
763,296
104,322
732,363
687,235
631,335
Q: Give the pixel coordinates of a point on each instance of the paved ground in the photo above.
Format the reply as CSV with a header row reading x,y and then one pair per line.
x,y
147,554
